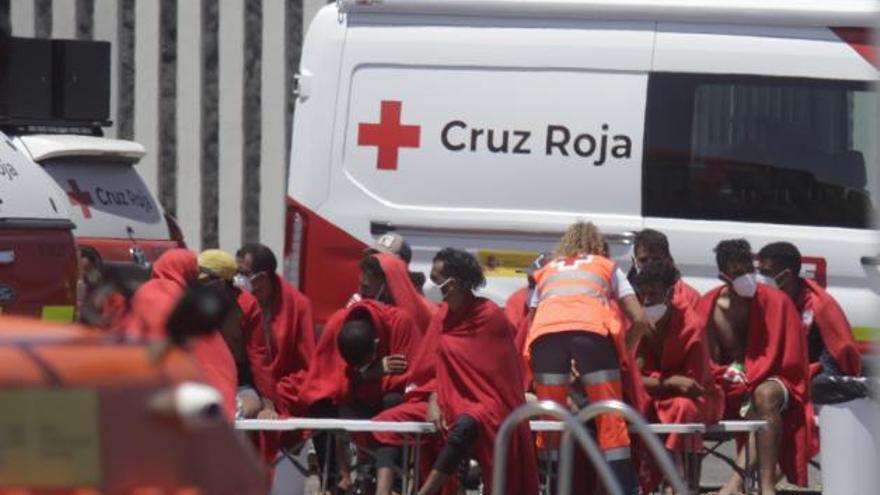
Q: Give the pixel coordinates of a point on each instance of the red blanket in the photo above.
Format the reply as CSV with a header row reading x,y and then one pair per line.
x,y
682,292
153,303
775,347
404,293
517,311
328,376
682,351
817,306
251,325
479,374
291,344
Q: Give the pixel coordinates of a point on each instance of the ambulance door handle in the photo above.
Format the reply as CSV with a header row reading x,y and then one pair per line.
x,y
870,261
7,257
625,238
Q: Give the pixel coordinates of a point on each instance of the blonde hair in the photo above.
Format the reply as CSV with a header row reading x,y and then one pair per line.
x,y
581,238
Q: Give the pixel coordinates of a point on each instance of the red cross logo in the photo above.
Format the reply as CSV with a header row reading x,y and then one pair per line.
x,y
79,198
389,135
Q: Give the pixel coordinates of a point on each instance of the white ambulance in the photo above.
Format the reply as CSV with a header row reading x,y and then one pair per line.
x,y
493,125
113,209
38,257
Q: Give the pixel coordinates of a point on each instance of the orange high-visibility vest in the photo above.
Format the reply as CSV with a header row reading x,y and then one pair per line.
x,y
574,295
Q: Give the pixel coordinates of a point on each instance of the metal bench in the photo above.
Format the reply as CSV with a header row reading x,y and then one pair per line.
x,y
723,431
408,429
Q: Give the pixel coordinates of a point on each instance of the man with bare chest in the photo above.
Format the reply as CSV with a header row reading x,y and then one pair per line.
x,y
760,361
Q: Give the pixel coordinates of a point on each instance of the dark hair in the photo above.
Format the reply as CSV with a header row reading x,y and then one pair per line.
x,y
732,251
658,272
264,260
462,266
371,265
91,254
355,340
651,240
783,255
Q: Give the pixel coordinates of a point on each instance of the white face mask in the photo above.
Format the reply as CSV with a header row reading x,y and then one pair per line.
x,y
242,282
768,281
746,285
655,312
439,287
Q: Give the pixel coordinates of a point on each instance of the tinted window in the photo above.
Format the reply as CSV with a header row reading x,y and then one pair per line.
x,y
758,149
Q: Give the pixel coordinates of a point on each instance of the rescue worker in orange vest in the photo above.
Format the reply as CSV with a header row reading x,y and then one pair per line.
x,y
571,321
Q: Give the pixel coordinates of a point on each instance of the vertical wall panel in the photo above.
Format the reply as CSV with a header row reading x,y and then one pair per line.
x,y
85,19
210,124
22,18
64,19
253,58
125,96
272,167
146,89
42,18
105,28
231,82
167,150
189,121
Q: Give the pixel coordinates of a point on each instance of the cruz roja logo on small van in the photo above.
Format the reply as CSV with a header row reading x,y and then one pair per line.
x,y
389,135
106,196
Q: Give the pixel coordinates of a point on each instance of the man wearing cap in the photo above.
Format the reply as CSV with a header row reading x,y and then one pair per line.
x,y
242,332
392,243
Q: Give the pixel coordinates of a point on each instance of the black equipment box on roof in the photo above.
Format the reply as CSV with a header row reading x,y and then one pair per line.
x,y
54,82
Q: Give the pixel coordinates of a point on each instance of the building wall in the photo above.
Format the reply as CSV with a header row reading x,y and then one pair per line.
x,y
206,86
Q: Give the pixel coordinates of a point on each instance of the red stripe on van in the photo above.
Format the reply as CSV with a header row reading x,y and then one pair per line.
x,y
860,41
329,263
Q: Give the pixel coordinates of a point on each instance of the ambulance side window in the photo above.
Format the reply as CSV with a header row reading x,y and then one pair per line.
x,y
759,149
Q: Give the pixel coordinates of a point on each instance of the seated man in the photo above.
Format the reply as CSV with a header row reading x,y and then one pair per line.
x,y
832,347
243,333
358,368
466,379
759,355
675,363
384,278
650,244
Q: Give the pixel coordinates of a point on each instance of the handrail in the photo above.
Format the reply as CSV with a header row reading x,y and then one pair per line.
x,y
636,420
530,410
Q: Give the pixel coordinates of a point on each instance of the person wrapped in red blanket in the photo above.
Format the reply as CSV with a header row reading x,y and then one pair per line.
x,y
759,355
153,303
652,245
467,379
384,277
287,330
832,348
675,364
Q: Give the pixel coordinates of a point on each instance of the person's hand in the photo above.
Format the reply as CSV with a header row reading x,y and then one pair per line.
x,y
355,298
435,415
682,385
250,406
268,413
395,364
734,374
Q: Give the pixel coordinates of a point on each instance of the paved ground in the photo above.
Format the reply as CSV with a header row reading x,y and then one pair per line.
x,y
715,472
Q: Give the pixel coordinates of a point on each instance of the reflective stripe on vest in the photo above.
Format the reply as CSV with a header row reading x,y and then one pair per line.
x,y
574,275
